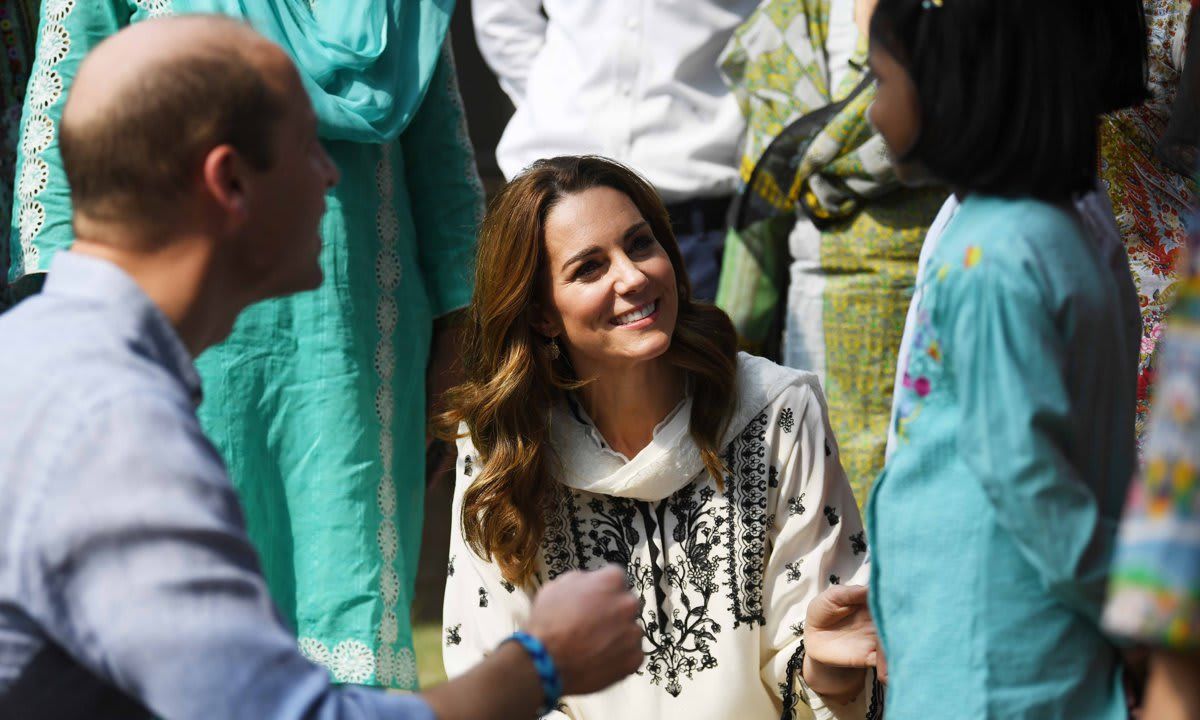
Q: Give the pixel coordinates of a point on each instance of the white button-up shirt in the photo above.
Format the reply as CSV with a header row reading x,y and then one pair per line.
x,y
634,80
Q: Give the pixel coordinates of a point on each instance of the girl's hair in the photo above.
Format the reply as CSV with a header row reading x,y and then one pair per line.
x,y
1119,49
1009,90
512,382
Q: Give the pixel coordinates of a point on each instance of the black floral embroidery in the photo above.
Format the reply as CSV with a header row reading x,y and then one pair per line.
x,y
483,598
453,636
858,543
682,642
875,710
787,420
796,505
797,628
450,567
787,688
793,571
679,640
831,515
562,543
834,579
508,586
746,492
678,554
468,466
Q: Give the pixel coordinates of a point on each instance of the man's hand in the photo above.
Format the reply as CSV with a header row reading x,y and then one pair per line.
x,y
840,642
587,621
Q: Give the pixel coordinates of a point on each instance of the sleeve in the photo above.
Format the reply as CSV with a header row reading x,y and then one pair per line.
x,y
510,34
1153,593
147,578
1008,363
817,539
446,194
480,608
41,224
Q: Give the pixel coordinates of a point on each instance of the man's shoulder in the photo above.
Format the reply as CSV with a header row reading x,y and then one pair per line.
x,y
64,351
62,375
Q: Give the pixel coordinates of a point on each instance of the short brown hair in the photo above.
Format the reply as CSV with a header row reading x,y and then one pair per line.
x,y
136,158
512,383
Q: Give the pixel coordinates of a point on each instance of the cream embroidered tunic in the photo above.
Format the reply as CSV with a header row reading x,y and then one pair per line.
x,y
725,575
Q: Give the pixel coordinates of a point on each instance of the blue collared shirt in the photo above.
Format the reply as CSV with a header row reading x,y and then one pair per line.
x,y
128,585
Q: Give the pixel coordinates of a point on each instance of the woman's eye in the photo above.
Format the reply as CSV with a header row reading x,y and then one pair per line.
x,y
586,269
642,243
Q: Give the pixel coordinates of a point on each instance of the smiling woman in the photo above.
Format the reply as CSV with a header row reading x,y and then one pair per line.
x,y
607,418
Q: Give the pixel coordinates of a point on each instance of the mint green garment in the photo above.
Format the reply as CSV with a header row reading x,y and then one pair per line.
x,y
992,525
366,63
316,401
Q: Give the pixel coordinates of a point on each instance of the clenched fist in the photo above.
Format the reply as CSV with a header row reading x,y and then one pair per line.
x,y
587,621
840,641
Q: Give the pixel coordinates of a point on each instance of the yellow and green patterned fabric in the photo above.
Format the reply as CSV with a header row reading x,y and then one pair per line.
x,y
821,258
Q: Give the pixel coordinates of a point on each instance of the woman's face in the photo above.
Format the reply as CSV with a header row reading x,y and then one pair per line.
x,y
896,111
611,298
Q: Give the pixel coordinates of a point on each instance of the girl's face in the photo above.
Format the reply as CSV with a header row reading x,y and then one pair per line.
x,y
896,112
611,294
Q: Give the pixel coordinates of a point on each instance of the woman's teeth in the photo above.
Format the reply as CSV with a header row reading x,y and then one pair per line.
x,y
635,315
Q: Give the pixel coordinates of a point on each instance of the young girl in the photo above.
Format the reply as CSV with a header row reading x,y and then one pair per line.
x,y
992,524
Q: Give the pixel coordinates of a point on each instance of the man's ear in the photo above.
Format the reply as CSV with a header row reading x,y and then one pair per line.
x,y
224,181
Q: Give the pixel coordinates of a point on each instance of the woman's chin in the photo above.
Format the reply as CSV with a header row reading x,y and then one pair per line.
x,y
649,348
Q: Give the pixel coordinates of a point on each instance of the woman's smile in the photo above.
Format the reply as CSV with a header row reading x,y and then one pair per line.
x,y
639,317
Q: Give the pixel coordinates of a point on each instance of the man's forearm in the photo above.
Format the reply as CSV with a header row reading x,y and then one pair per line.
x,y
504,685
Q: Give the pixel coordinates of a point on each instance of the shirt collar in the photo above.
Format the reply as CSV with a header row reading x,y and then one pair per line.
x,y
133,313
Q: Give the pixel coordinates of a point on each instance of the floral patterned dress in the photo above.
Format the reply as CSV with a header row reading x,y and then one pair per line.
x,y
1155,591
1149,200
725,572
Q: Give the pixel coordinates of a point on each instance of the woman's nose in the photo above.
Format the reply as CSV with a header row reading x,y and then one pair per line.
x,y
629,277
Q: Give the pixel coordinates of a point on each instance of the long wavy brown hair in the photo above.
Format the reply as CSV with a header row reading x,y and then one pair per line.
x,y
512,382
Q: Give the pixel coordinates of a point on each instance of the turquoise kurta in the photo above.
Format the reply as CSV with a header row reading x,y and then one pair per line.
x,y
992,525
317,400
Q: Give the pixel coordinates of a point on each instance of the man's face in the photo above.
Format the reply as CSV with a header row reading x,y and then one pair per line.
x,y
286,201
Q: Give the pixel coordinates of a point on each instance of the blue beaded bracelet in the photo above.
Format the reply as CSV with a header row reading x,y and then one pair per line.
x,y
544,664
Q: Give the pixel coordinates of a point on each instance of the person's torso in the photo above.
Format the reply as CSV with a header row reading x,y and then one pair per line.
x,y
637,82
969,616
92,361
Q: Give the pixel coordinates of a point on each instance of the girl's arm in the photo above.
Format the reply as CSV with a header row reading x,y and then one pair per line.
x,y
816,541
1008,363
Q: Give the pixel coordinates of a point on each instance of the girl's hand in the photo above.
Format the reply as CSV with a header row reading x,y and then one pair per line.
x,y
840,643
